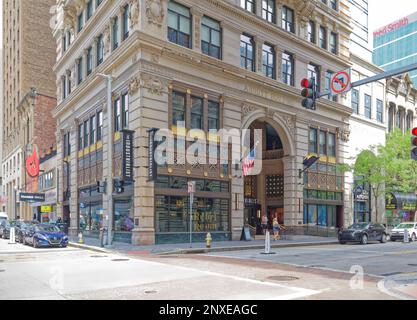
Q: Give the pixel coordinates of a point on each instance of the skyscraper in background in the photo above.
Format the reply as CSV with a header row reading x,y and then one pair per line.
x,y
395,45
360,41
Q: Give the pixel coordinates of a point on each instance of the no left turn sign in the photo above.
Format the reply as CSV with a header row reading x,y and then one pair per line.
x,y
340,82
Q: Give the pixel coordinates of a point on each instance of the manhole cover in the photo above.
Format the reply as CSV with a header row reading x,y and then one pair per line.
x,y
413,264
316,266
2,270
151,291
120,260
98,256
282,278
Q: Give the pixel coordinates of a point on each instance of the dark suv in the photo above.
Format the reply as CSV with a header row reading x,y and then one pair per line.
x,y
363,233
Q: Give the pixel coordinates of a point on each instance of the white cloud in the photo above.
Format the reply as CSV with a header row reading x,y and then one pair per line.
x,y
383,12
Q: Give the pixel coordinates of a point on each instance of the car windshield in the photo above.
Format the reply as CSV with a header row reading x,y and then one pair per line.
x,y
47,228
405,226
359,226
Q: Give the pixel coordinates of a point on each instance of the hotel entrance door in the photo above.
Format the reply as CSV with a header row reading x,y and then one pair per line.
x,y
253,217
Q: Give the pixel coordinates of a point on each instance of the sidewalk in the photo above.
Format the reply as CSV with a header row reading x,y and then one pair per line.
x,y
184,248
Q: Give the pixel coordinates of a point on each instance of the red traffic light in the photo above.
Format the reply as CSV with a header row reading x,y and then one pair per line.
x,y
414,132
307,83
307,93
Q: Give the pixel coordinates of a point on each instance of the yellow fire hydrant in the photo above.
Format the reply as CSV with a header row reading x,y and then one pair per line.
x,y
80,238
209,240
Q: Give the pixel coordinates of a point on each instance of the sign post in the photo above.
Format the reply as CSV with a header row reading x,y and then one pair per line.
x,y
191,191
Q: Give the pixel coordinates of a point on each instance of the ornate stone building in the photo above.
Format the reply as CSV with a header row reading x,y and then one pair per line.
x,y
214,64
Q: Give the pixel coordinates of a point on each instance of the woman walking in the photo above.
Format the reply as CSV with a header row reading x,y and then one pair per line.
x,y
276,228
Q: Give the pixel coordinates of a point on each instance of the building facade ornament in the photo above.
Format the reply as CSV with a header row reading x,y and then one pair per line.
x,y
155,11
154,84
134,13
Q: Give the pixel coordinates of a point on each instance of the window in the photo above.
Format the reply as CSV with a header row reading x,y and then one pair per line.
x,y
288,19
179,24
331,145
80,136
268,10
368,106
268,61
312,145
98,3
329,76
80,20
410,119
248,5
100,49
89,60
379,111
93,129
125,22
322,143
213,115
333,4
197,113
313,71
178,107
89,9
323,37
69,82
355,101
117,115
86,133
67,145
64,87
312,31
333,43
288,68
99,125
247,54
64,42
211,37
115,33
125,111
80,70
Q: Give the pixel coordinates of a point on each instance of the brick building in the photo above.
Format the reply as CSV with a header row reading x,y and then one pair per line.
x,y
29,92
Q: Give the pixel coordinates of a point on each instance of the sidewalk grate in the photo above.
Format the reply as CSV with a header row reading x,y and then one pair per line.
x,y
120,260
97,256
282,278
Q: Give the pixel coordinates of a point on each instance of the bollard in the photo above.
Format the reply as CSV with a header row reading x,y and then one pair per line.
x,y
12,238
80,238
406,239
209,240
267,243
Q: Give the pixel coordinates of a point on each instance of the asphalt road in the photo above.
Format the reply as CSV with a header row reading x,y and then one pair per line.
x,y
28,273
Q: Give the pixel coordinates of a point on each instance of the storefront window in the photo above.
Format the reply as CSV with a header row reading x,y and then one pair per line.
x,y
123,215
322,215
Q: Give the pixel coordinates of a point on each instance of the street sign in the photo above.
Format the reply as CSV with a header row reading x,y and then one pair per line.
x,y
340,83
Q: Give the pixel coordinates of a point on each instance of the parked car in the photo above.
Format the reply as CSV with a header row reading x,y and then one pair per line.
x,y
3,216
363,233
5,226
398,232
45,235
21,228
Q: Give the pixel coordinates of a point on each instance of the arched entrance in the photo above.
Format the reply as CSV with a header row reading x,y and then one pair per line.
x,y
264,193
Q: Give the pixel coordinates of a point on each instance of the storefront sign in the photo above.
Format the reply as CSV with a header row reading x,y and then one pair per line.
x,y
152,166
32,197
46,209
409,206
250,201
127,155
391,203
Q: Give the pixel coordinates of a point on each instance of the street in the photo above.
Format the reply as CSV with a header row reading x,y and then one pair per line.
x,y
321,272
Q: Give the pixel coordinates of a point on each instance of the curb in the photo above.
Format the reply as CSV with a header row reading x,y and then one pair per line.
x,y
208,250
241,248
86,247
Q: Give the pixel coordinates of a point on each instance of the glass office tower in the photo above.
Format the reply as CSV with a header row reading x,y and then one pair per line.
x,y
395,45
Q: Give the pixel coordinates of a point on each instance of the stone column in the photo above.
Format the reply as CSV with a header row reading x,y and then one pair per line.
x,y
197,15
278,62
73,229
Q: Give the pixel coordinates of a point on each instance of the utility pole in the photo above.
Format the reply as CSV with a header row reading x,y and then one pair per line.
x,y
109,193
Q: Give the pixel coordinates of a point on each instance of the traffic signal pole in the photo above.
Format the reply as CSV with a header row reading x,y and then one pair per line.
x,y
383,75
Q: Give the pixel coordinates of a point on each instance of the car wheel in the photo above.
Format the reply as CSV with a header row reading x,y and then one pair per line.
x,y
413,237
342,242
364,239
35,243
384,238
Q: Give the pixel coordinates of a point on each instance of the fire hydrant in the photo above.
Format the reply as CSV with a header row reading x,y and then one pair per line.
x,y
80,238
209,240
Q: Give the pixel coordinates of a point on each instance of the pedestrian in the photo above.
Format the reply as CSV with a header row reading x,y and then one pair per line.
x,y
264,223
276,228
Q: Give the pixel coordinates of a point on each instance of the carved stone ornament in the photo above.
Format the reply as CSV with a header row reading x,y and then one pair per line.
x,y
134,12
345,135
248,109
289,122
153,84
106,40
134,85
155,11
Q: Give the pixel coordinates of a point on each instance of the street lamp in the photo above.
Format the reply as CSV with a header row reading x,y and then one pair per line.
x,y
15,202
109,193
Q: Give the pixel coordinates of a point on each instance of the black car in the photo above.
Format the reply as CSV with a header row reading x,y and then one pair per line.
x,y
22,227
5,226
363,233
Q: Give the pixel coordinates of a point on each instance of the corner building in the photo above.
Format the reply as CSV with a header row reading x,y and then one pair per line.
x,y
213,64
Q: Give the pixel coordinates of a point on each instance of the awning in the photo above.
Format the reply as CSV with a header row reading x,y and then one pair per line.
x,y
401,201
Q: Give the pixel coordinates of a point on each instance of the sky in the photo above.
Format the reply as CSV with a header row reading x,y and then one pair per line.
x,y
383,12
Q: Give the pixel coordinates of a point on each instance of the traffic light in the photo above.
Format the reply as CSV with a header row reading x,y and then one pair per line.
x,y
414,144
101,187
119,186
309,92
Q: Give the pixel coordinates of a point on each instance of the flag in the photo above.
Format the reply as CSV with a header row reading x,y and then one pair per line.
x,y
249,162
